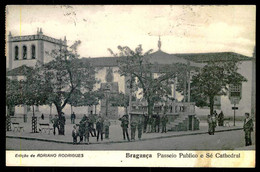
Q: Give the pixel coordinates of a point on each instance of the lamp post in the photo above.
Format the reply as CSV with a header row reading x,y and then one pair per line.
x,y
107,90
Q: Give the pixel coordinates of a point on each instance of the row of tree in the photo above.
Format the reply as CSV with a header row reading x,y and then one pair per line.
x,y
67,80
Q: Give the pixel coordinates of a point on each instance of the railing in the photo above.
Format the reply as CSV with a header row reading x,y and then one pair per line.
x,y
182,108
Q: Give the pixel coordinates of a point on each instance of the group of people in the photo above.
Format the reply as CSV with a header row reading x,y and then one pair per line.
x,y
85,128
152,123
143,124
248,125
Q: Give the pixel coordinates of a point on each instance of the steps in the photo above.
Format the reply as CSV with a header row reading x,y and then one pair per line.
x,y
182,123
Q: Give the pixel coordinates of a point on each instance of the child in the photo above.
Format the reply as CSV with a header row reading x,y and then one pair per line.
x,y
74,134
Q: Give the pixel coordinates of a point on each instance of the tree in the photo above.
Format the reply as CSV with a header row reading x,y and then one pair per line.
x,y
92,98
64,77
13,95
121,100
136,64
75,99
212,80
33,89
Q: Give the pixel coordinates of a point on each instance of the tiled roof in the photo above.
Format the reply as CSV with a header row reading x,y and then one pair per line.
x,y
19,71
160,57
216,56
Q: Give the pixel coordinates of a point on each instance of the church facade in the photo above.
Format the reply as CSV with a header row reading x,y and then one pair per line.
x,y
32,49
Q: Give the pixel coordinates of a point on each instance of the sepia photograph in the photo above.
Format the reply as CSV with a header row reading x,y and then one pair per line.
x,y
163,79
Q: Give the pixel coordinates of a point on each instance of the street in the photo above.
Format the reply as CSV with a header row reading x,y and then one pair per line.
x,y
228,140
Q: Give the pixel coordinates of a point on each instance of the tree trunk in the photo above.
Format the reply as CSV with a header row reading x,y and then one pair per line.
x,y
59,110
71,109
126,112
211,104
33,111
150,107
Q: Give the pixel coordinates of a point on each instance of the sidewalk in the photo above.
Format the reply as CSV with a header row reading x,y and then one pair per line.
x,y
115,134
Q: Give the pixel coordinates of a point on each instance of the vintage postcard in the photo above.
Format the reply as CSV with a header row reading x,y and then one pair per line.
x,y
130,85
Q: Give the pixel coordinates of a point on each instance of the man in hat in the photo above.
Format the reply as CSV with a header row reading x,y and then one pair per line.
x,y
140,127
164,122
248,128
55,122
124,125
99,128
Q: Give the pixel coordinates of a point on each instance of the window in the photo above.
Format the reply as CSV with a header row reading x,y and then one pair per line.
x,y
24,52
33,51
16,53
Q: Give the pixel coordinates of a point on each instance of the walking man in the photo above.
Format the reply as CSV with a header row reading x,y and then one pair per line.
x,y
124,125
248,128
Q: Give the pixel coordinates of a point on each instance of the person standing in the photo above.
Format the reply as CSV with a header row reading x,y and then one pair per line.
x,y
164,122
149,124
157,123
153,121
91,124
82,128
133,129
140,127
145,122
74,134
210,125
73,117
248,128
62,122
86,132
55,122
99,128
214,123
215,116
220,119
124,125
42,116
106,127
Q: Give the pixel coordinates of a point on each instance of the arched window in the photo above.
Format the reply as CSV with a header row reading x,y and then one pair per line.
x,y
16,53
24,52
33,51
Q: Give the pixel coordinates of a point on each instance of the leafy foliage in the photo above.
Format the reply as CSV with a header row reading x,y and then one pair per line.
x,y
63,80
135,64
212,80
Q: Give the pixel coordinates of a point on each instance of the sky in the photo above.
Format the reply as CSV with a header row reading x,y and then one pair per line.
x,y
182,29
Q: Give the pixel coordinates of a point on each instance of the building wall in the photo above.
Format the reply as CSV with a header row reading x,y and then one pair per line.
x,y
29,61
48,47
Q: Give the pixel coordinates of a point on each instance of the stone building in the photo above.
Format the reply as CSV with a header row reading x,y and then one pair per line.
x,y
32,49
